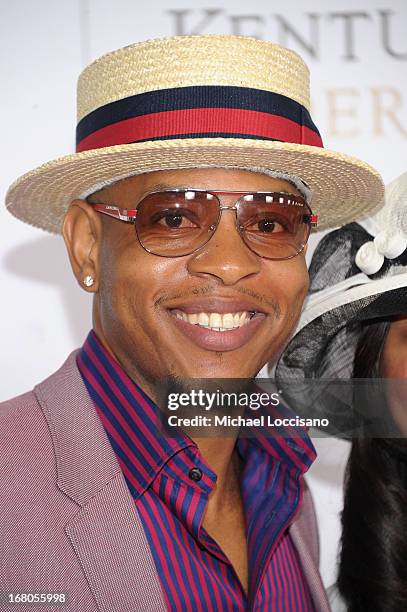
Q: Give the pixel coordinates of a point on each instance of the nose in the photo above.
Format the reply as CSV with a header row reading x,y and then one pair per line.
x,y
225,256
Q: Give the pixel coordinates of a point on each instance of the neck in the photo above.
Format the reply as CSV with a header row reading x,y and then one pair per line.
x,y
222,457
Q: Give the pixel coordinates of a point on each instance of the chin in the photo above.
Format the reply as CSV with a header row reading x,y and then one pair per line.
x,y
217,370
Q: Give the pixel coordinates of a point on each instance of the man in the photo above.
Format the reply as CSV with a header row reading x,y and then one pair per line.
x,y
186,212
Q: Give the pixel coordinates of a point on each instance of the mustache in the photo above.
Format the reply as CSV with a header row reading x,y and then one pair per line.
x,y
260,299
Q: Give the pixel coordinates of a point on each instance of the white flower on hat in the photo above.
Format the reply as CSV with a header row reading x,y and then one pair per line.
x,y
368,259
391,242
389,228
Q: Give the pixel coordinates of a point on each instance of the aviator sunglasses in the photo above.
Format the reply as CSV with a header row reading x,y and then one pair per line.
x,y
178,222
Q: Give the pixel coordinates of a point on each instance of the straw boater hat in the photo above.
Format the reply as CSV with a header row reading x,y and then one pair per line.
x,y
358,273
196,101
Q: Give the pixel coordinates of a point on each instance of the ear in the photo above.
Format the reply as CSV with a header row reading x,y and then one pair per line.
x,y
82,233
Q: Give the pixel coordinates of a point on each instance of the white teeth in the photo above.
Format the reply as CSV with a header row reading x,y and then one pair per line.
x,y
228,321
244,317
216,321
203,319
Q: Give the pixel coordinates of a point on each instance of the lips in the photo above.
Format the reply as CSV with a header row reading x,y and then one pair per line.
x,y
217,325
216,304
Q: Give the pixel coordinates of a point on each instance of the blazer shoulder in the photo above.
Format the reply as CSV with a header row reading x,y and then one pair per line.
x,y
23,428
26,441
21,407
17,409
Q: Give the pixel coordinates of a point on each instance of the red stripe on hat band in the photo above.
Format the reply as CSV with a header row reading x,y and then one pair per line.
x,y
198,121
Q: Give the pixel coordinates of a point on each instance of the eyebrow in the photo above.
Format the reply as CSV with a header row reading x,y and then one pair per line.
x,y
166,187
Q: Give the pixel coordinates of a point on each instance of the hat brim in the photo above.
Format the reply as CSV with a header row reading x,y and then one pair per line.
x,y
326,313
344,188
318,363
351,293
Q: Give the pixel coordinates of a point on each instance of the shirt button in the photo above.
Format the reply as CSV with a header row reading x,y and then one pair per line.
x,y
195,474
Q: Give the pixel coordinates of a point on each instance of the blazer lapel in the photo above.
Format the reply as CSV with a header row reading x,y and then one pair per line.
x,y
109,540
304,535
106,533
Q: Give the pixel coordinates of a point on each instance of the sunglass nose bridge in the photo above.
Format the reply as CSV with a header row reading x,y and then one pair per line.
x,y
233,207
240,228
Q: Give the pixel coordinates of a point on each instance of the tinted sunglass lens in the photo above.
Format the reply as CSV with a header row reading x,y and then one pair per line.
x,y
274,225
176,223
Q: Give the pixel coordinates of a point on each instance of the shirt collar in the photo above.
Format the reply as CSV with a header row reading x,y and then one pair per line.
x,y
117,396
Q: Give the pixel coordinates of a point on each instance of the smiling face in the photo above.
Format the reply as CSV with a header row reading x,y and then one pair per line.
x,y
221,311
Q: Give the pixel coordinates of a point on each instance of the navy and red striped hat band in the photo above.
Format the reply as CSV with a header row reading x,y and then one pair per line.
x,y
198,112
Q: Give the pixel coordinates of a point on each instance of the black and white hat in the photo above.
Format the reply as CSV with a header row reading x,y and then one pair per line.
x,y
358,273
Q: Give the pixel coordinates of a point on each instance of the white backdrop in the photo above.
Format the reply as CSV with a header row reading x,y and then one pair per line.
x,y
357,53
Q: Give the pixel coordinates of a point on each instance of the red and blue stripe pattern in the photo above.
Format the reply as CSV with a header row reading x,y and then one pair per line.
x,y
197,112
195,574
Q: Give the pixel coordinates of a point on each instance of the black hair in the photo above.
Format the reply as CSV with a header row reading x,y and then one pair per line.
x,y
373,558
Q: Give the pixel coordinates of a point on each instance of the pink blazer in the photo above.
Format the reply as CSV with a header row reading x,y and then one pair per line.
x,y
68,522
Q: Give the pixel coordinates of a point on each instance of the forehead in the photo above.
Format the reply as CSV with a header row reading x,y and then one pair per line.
x,y
229,179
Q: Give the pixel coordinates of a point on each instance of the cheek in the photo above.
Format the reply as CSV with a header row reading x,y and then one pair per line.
x,y
394,358
130,278
287,283
395,365
291,283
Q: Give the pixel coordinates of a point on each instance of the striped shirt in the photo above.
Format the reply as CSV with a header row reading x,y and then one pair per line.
x,y
170,483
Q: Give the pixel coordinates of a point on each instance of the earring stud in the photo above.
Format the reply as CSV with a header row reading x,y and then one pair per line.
x,y
88,281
